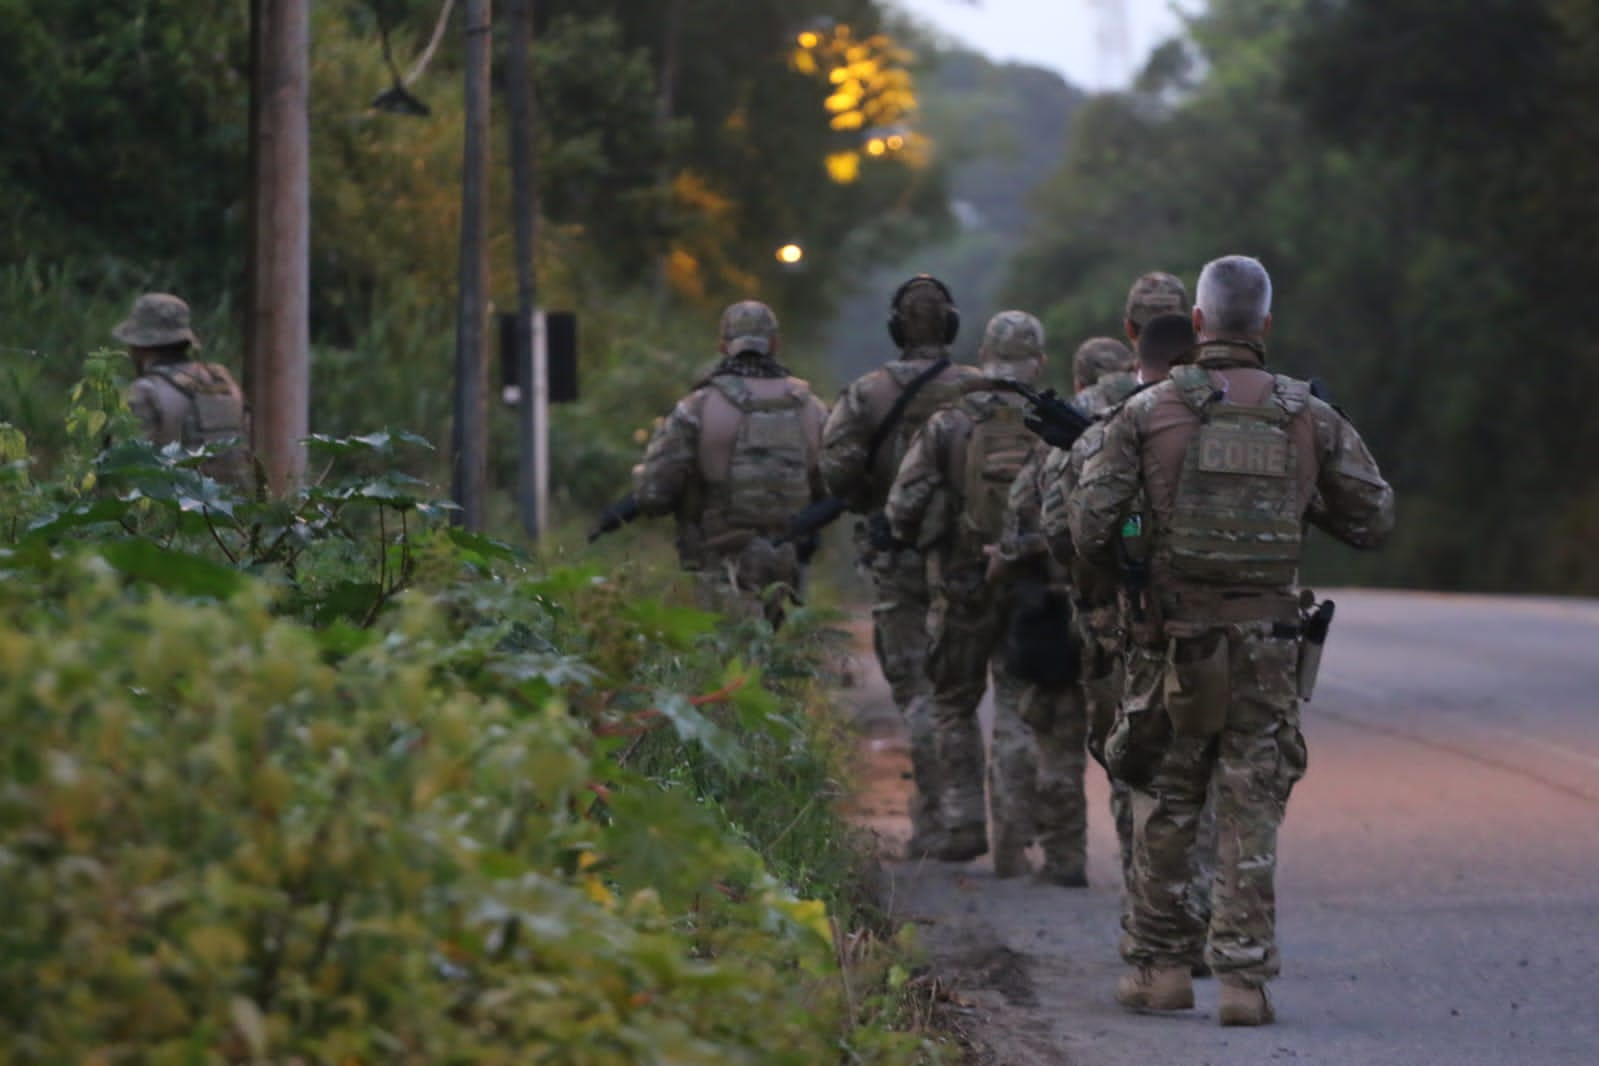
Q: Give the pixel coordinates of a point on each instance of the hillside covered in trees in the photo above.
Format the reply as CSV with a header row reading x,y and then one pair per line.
x,y
1411,173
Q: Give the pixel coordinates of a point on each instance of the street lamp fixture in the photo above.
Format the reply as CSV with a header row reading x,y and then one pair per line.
x,y
790,254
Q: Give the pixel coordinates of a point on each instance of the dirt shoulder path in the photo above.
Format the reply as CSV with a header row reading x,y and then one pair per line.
x,y
1012,955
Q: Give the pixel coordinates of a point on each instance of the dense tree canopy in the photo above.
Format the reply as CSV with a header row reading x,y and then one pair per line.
x,y
1405,169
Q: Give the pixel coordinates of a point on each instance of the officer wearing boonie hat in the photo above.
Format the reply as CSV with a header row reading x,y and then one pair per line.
x,y
177,398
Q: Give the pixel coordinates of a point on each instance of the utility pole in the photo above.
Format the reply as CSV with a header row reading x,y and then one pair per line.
x,y
532,412
470,433
278,324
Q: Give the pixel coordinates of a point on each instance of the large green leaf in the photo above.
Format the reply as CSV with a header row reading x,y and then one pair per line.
x,y
173,571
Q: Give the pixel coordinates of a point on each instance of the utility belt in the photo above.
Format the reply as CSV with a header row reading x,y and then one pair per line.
x,y
1197,686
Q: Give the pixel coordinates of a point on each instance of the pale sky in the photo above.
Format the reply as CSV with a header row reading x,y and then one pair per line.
x,y
1063,35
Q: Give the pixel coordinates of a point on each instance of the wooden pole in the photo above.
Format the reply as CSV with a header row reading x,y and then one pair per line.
x,y
470,436
532,428
278,330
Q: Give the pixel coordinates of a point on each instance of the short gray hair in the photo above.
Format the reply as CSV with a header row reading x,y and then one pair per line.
x,y
1234,292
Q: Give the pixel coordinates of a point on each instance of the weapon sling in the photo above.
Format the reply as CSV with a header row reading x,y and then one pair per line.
x,y
897,411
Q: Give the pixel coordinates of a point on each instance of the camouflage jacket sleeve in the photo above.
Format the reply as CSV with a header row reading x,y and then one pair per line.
x,y
918,491
844,440
1057,480
1023,536
1352,501
671,460
818,485
1101,500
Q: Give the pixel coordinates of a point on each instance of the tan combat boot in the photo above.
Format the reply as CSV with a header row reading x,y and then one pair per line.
x,y
1241,1004
1156,988
963,843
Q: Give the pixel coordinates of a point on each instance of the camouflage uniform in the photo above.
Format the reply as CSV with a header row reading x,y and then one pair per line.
x,y
928,507
179,399
898,573
735,459
1057,714
1240,619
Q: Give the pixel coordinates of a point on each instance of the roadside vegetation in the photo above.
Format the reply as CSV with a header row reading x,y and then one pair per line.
x,y
324,780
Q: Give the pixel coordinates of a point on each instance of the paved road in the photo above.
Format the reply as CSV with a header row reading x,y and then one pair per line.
x,y
1438,878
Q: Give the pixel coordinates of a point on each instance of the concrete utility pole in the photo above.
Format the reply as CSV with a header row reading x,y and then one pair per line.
x,y
278,327
532,410
470,435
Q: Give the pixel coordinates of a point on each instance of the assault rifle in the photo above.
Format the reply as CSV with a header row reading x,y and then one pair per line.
x,y
615,517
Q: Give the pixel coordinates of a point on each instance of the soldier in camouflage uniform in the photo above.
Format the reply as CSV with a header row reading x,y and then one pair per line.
x,y
1234,461
949,500
1102,375
923,320
735,459
1056,712
177,398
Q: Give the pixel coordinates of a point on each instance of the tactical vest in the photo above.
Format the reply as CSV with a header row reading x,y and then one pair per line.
x,y
214,414
995,453
1237,519
768,474
934,396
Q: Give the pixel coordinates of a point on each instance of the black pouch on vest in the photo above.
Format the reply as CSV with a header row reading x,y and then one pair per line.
x,y
1040,646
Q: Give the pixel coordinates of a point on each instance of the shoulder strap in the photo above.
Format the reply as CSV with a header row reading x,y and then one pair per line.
x,y
896,412
174,375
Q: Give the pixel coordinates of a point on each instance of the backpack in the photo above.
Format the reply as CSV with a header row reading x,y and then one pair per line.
x,y
1237,516
768,475
998,447
215,414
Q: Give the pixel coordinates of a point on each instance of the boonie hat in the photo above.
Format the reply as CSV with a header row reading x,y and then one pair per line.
x,y
157,320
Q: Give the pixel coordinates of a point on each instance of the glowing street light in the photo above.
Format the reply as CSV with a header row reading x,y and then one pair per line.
x,y
790,254
809,39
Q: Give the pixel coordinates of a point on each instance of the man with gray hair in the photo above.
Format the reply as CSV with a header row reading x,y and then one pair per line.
x,y
1234,461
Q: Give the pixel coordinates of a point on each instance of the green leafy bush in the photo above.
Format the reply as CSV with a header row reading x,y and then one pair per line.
x,y
470,812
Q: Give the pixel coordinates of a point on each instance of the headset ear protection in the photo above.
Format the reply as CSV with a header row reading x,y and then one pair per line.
x,y
896,321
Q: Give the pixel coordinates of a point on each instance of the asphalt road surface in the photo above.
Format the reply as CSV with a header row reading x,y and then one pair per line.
x,y
1438,875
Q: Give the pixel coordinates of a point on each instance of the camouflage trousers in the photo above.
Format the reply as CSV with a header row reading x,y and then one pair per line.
x,y
1099,633
758,582
1252,766
899,638
964,629
1104,681
1058,718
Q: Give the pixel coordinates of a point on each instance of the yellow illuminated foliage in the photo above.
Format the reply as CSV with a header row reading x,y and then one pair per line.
x,y
870,89
844,167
